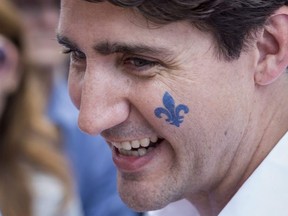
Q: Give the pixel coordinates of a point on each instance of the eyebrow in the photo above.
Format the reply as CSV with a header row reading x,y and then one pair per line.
x,y
107,48
66,42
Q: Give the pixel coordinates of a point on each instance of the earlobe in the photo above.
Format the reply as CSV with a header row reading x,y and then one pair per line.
x,y
272,45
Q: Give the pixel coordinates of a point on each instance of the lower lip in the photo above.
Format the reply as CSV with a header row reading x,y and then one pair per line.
x,y
132,163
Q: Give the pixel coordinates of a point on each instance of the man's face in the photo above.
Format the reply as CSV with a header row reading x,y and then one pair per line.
x,y
162,86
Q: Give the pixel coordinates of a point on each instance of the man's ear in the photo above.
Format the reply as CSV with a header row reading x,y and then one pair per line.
x,y
273,48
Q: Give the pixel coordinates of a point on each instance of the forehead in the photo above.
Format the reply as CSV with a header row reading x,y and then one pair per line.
x,y
79,18
103,11
86,25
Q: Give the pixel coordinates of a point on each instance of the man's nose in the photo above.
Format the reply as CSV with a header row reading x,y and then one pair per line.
x,y
103,102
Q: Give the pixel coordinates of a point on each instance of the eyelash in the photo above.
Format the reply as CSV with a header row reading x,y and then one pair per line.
x,y
75,55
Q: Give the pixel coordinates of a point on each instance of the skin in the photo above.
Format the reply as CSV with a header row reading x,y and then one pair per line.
x,y
211,153
9,73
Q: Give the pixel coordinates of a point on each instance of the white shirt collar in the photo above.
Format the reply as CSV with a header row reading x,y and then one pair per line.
x,y
265,192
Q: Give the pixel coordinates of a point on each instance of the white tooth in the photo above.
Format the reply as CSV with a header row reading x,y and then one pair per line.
x,y
129,153
124,152
154,139
116,144
141,151
126,145
135,143
121,151
145,142
134,153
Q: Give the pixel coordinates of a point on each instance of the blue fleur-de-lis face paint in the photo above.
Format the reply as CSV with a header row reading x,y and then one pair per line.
x,y
172,113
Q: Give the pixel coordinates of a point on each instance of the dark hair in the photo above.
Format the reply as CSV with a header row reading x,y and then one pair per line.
x,y
232,22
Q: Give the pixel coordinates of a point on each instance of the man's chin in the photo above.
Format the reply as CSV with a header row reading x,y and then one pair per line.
x,y
140,196
140,204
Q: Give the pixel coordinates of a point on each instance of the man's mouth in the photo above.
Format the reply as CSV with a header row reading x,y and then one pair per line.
x,y
137,148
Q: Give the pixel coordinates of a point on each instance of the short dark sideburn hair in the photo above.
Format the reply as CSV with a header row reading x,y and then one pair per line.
x,y
232,22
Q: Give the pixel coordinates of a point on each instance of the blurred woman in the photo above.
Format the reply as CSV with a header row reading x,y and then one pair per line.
x,y
34,177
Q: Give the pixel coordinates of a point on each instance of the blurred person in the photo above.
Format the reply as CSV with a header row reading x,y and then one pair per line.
x,y
90,160
34,176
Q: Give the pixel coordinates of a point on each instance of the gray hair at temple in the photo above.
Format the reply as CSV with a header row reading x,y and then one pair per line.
x,y
232,22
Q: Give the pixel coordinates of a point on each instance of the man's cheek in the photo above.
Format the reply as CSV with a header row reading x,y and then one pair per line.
x,y
171,111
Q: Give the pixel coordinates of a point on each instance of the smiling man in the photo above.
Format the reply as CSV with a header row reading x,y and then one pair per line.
x,y
191,96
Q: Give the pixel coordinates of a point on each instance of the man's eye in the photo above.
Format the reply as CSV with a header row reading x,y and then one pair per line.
x,y
75,54
139,63
141,66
